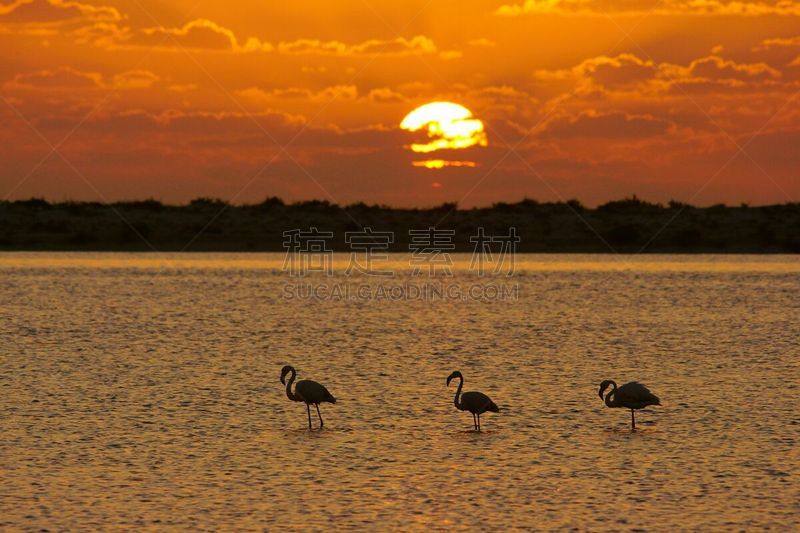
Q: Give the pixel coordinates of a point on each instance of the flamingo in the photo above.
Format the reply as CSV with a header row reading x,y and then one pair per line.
x,y
474,402
632,396
306,391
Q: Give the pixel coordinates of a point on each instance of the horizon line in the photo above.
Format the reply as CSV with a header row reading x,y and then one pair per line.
x,y
361,204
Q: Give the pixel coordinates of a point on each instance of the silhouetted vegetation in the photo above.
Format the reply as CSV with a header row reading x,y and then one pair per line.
x,y
628,225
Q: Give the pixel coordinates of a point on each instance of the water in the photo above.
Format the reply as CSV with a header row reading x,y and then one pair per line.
x,y
142,391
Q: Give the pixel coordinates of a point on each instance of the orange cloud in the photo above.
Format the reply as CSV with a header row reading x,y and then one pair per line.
x,y
628,72
419,44
779,42
135,79
337,92
205,34
530,7
623,70
68,78
642,7
713,74
715,67
54,12
199,34
384,95
58,78
615,125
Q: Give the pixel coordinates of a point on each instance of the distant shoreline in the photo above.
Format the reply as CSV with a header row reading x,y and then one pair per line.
x,y
208,225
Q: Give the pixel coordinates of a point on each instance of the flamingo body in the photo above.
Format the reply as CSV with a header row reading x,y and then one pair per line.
x,y
313,392
475,402
631,396
306,391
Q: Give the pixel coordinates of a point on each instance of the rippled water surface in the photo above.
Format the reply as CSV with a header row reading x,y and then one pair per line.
x,y
143,391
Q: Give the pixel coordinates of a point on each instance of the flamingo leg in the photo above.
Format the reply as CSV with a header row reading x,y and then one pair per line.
x,y
308,408
321,423
633,421
479,421
474,422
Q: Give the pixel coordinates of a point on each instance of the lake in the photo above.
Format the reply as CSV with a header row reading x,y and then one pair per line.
x,y
142,391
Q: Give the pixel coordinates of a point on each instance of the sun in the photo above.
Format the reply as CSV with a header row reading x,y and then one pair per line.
x,y
449,127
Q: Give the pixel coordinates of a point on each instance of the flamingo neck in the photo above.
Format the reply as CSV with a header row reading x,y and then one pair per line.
x,y
611,397
289,394
456,399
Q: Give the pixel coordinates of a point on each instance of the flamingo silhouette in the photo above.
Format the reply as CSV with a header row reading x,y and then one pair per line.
x,y
474,402
306,391
632,396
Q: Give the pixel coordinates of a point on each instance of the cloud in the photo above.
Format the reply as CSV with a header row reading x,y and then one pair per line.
x,y
58,78
499,101
182,87
641,7
55,12
779,42
205,34
103,34
623,70
736,7
135,79
501,92
416,88
199,34
530,7
319,69
713,74
179,155
71,79
384,95
715,67
627,72
336,92
400,46
235,133
780,50
615,125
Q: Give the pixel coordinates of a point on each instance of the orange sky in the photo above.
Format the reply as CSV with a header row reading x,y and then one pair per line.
x,y
695,100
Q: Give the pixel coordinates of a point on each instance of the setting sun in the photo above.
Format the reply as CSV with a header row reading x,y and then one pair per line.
x,y
449,126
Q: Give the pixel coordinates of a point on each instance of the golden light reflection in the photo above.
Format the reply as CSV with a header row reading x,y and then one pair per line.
x,y
10,261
